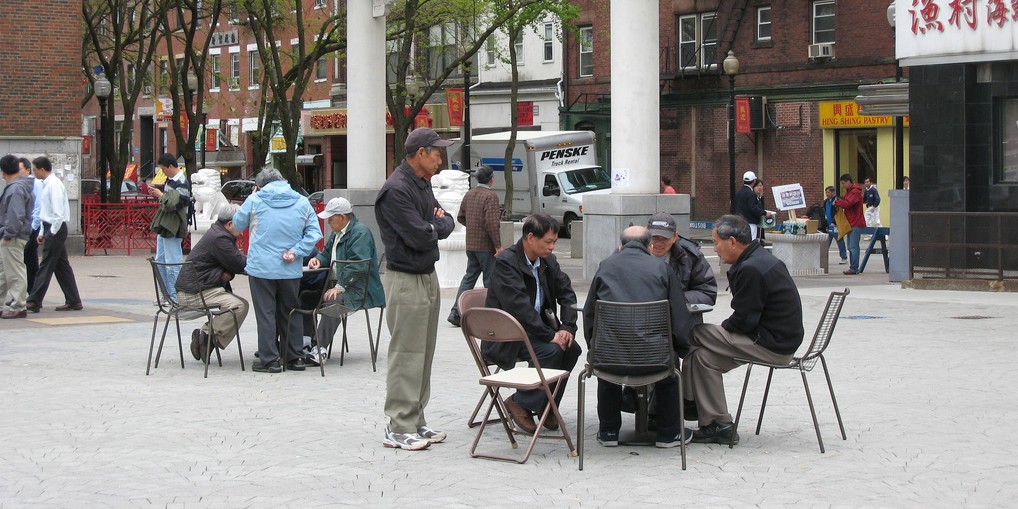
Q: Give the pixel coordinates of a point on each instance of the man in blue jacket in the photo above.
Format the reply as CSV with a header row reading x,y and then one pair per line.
x,y
284,229
765,325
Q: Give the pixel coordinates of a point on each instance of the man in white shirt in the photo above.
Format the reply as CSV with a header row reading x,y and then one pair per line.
x,y
54,212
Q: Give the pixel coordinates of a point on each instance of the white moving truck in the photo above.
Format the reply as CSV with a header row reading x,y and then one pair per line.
x,y
552,170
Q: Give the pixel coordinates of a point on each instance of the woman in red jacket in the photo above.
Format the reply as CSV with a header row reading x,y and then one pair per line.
x,y
851,203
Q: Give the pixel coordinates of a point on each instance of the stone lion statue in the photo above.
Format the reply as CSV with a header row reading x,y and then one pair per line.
x,y
449,187
208,198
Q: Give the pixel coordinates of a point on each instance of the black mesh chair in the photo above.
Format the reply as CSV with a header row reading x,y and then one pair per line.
x,y
185,307
309,296
631,338
804,364
353,276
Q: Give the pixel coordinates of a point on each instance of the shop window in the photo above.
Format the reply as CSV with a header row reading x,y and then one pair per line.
x,y
1007,141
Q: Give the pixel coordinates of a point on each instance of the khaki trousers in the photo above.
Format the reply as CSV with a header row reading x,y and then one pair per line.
x,y
223,324
13,275
711,353
412,306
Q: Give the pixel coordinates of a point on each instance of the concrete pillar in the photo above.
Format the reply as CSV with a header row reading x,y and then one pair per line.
x,y
898,264
636,136
635,96
365,156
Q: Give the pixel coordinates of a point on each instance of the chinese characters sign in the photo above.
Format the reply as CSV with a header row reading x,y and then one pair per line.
x,y
845,115
955,31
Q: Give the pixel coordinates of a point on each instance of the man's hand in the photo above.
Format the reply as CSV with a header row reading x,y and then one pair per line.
x,y
563,339
289,256
40,240
498,251
155,192
331,294
439,212
5,242
226,277
314,263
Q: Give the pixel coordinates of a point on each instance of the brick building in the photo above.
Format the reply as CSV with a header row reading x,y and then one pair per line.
x,y
802,62
41,90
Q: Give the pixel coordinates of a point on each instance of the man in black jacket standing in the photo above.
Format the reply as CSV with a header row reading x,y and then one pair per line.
x,y
212,264
765,325
747,204
529,284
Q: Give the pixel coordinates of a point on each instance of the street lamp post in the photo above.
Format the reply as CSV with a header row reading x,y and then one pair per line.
x,y
899,128
192,87
731,68
466,117
102,92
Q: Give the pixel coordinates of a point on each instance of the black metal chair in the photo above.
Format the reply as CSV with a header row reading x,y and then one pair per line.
x,y
804,364
481,324
634,338
313,313
353,276
185,307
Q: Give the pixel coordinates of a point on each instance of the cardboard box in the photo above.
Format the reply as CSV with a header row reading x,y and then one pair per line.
x,y
812,225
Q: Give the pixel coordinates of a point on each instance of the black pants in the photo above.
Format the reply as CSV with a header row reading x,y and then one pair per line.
x,y
609,404
32,258
54,261
551,357
272,300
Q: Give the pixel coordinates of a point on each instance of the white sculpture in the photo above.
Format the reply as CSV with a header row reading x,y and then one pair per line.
x,y
449,187
208,200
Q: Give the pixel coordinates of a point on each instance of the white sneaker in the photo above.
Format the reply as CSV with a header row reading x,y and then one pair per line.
x,y
431,435
408,441
843,261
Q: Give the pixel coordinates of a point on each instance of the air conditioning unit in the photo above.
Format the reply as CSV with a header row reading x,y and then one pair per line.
x,y
234,83
824,50
147,90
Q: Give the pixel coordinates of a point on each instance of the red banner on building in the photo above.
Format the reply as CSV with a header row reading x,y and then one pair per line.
x,y
211,139
86,144
525,112
742,122
454,102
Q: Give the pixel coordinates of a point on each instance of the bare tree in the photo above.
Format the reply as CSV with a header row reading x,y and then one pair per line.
x,y
120,37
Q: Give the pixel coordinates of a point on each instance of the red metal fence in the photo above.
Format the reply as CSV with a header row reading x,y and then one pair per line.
x,y
125,227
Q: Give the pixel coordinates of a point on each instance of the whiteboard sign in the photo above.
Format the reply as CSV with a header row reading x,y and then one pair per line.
x,y
789,197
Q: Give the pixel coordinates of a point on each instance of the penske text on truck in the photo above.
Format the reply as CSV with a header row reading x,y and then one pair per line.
x,y
552,170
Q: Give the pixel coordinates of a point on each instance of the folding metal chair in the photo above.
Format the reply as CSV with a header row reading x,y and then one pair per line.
x,y
186,307
634,338
489,324
805,363
468,300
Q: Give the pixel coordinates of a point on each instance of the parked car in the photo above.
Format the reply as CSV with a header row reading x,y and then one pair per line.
x,y
236,191
128,188
317,197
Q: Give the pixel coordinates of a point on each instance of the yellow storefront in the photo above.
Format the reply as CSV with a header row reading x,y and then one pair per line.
x,y
862,146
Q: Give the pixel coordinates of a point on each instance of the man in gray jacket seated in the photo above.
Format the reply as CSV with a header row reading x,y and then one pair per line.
x,y
213,263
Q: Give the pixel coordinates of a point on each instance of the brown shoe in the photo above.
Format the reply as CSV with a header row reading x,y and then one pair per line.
x,y
33,307
521,416
71,307
23,313
551,423
196,344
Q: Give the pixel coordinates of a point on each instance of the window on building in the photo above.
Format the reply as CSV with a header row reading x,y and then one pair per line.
x,y
441,50
519,51
319,4
234,71
490,53
586,40
698,41
823,21
321,69
1007,141
549,42
215,72
763,23
254,67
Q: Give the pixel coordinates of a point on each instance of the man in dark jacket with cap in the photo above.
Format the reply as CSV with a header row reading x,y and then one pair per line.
x,y
411,222
212,264
747,204
480,213
686,260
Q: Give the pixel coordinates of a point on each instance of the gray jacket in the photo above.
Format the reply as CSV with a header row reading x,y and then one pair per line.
x,y
16,202
694,272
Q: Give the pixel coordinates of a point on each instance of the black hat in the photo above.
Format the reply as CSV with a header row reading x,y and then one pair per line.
x,y
484,174
424,137
661,224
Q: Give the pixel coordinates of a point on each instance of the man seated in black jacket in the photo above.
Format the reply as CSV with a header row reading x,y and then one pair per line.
x,y
765,325
546,311
212,264
634,275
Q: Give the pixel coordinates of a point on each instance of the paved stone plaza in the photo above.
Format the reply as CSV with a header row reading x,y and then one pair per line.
x,y
925,381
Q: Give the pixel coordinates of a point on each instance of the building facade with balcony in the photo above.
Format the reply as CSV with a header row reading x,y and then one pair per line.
x,y
801,63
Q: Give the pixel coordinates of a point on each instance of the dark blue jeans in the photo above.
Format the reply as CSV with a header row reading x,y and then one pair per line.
x,y
853,248
478,262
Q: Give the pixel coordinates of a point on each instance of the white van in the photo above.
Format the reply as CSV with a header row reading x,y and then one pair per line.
x,y
551,170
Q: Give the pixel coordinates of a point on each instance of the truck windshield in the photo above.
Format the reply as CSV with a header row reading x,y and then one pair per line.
x,y
584,179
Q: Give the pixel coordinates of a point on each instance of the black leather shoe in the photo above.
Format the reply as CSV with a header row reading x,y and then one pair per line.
x,y
716,433
454,318
272,367
33,307
297,365
196,344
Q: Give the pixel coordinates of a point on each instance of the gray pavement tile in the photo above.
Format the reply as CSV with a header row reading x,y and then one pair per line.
x,y
926,396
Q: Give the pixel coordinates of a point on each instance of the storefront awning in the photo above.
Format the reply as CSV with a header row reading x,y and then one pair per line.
x,y
224,158
309,160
